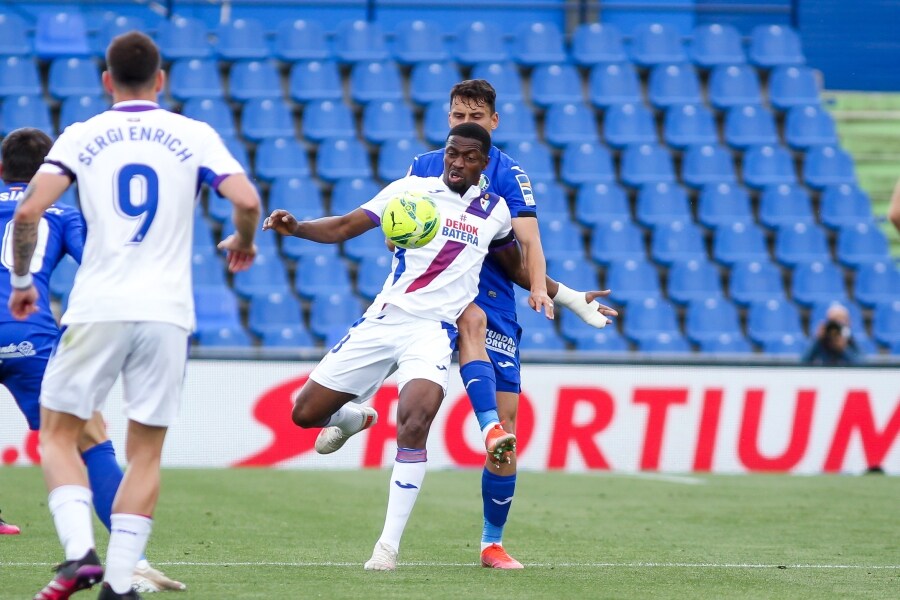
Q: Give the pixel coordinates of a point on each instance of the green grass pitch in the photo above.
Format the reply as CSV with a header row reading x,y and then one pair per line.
x,y
305,534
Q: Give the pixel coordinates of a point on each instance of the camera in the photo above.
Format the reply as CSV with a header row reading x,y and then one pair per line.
x,y
834,329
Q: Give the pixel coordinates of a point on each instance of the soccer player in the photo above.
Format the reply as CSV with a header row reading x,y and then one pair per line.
x,y
131,309
410,326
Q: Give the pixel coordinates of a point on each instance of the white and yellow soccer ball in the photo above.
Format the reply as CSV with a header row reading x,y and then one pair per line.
x,y
410,220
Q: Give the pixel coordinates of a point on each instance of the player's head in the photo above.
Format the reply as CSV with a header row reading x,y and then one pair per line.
x,y
22,153
474,101
132,66
465,156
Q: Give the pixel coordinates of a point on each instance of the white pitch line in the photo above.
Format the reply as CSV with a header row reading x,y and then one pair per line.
x,y
627,565
664,477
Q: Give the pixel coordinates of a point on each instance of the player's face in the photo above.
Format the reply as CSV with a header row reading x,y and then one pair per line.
x,y
465,110
463,163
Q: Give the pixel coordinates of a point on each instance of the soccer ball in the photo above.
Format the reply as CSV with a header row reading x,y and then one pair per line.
x,y
410,220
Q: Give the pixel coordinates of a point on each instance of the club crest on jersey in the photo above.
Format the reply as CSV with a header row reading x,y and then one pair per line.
x,y
483,182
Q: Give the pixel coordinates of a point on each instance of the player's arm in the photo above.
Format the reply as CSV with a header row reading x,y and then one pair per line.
x,y
326,230
238,189
526,230
893,213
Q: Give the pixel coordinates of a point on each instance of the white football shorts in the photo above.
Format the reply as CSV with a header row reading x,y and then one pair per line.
x,y
386,341
150,355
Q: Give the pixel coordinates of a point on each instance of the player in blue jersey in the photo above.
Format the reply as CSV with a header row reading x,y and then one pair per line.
x,y
492,376
25,346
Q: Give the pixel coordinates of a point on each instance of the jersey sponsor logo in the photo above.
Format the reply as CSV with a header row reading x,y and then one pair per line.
x,y
11,196
525,188
406,486
483,182
460,230
25,348
498,342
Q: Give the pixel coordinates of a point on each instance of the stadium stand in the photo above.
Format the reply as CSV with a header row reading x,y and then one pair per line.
x,y
301,40
419,41
242,39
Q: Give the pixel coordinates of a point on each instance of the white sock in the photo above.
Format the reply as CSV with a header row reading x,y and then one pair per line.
x,y
348,419
70,506
406,481
127,540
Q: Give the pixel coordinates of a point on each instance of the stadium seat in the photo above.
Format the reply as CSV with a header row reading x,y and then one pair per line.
x,y
613,84
419,41
574,272
214,111
739,242
646,163
183,37
60,35
876,282
733,85
387,120
333,312
349,193
360,41
216,307
689,124
327,119
694,279
14,40
665,343
241,39
232,336
518,123
194,78
315,80
754,281
538,44
301,39
570,122
628,123
594,43
543,341
19,76
251,79
817,281
560,239
432,81
615,241
267,276
676,241
25,111
784,204
342,157
267,118
607,340
817,316
749,125
844,205
535,157
296,248
505,78
555,84
435,122
298,195
73,77
111,27
801,243
772,319
726,343
207,267
649,318
479,41
371,81
293,336
368,244
886,323
656,43
775,45
238,150
722,204
785,345
372,272
632,281
673,84
715,44
581,164
75,109
706,164
551,199
828,165
273,311
661,203
281,157
861,243
528,319
807,126
793,86
768,165
601,203
395,157
710,318
320,275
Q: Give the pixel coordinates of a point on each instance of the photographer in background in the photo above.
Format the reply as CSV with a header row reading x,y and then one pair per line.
x,y
834,344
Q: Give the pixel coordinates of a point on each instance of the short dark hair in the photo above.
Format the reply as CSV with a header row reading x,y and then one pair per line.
x,y
132,60
477,92
22,153
473,131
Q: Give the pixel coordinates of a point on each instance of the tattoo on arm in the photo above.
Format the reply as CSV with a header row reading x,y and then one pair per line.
x,y
24,239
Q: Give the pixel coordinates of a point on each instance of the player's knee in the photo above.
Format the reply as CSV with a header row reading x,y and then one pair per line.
x,y
413,432
303,416
472,323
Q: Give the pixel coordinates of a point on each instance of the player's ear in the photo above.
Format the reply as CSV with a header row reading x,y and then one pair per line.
x,y
107,82
495,120
160,81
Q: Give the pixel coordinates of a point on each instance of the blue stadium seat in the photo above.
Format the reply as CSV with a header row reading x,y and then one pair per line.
x,y
615,241
722,204
281,157
395,157
320,275
689,124
183,37
861,243
528,319
560,239
241,39
784,204
707,163
801,243
207,268
194,78
360,41
754,281
768,165
267,118
876,282
60,34
828,165
432,81
535,157
373,270
628,123
817,315
373,80
518,123
649,318
315,80
505,78
576,274
807,126
694,279
607,340
817,281
749,125
19,77
387,120
214,111
349,193
294,336
843,205
296,248
538,44
479,41
646,163
238,150
584,163
656,43
715,44
327,119
677,241
551,199
708,319
570,122
298,195
14,40
273,311
25,111
555,84
543,341
251,79
232,336
63,277
267,276
661,203
216,307
202,237
614,84
772,319
632,281
775,45
601,203
739,242
368,244
785,345
419,41
73,77
594,43
301,39
665,343
733,85
342,157
333,312
111,27
792,86
435,122
886,323
726,343
673,84
75,109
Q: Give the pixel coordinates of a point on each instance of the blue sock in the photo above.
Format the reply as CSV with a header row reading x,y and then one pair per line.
x,y
497,493
481,386
105,475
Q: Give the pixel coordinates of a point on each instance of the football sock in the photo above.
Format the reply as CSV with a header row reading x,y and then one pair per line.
x,y
105,475
127,540
481,386
70,506
406,481
348,419
496,493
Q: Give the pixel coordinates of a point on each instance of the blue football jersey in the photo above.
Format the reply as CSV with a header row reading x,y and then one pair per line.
x,y
503,177
61,231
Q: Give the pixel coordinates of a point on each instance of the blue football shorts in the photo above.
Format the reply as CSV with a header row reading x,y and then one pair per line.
x,y
502,342
24,352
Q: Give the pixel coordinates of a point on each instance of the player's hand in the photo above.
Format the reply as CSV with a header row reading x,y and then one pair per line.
x,y
23,303
599,311
390,245
281,221
239,255
541,301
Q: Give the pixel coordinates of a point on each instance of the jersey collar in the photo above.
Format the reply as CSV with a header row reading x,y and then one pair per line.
x,y
135,105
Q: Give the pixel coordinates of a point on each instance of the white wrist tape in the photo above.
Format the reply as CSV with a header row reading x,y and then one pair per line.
x,y
575,301
20,282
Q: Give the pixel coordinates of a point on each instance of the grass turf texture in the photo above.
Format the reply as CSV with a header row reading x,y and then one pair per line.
x,y
291,534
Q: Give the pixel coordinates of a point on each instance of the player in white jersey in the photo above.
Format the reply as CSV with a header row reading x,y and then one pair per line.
x,y
410,327
131,310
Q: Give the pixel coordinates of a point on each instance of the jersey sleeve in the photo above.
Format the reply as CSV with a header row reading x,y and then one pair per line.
x,y
74,232
375,206
217,163
65,154
515,187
